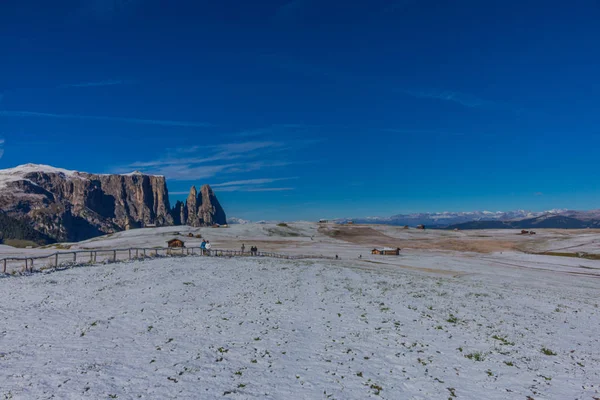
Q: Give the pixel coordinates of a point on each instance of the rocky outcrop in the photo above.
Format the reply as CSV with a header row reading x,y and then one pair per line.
x,y
64,205
201,209
72,206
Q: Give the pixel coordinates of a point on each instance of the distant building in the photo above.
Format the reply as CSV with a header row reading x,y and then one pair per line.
x,y
350,222
421,227
386,251
176,243
323,221
405,226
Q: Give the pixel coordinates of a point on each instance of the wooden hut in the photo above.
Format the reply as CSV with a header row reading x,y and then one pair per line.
x,y
386,251
176,243
420,226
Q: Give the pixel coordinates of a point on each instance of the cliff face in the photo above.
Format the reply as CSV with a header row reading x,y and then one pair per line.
x,y
72,206
201,209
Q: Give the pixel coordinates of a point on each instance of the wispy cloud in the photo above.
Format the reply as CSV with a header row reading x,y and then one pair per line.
x,y
162,122
254,189
463,99
109,82
252,185
225,159
1,148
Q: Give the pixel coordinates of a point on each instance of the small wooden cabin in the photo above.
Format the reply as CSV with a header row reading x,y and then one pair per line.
x,y
386,251
420,226
176,243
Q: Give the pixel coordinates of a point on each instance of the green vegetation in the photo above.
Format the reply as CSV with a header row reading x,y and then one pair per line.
x,y
548,352
452,319
20,233
19,243
283,225
477,356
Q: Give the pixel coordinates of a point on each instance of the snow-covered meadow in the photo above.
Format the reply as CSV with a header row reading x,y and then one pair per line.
x,y
204,328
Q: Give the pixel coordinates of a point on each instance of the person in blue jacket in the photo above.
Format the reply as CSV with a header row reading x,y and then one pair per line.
x,y
203,246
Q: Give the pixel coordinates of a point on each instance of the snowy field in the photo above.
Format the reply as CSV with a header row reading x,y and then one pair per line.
x,y
206,328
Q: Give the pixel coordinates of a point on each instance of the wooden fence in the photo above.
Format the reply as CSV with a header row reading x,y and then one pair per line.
x,y
63,259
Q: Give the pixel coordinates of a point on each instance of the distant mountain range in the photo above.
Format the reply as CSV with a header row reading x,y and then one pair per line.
x,y
519,219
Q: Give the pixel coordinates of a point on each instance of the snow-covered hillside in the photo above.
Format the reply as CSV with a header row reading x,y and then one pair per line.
x,y
237,329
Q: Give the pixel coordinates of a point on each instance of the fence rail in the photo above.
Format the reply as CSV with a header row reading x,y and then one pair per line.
x,y
13,265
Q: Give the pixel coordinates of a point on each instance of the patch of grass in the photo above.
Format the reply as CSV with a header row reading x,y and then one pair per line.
x,y
489,372
503,340
150,328
452,392
222,350
283,225
377,389
359,374
452,319
548,352
509,363
477,356
20,243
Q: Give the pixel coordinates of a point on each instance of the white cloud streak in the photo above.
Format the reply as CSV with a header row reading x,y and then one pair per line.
x,y
108,82
463,99
32,114
200,162
252,182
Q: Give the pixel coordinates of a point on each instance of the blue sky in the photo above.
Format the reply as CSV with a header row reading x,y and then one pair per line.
x,y
307,109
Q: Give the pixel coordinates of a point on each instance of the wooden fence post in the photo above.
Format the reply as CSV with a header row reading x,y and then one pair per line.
x,y
114,256
74,257
130,254
144,253
137,253
91,257
4,268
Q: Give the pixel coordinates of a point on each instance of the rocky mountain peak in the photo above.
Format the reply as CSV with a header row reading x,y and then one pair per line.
x,y
201,209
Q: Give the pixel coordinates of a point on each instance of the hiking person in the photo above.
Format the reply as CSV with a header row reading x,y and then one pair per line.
x,y
203,246
255,250
244,248
208,246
